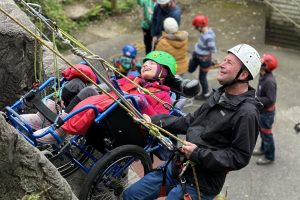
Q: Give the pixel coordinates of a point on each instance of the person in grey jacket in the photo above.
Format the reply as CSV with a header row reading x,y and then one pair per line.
x,y
202,55
220,135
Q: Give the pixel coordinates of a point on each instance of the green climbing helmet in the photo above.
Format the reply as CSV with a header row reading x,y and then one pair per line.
x,y
165,59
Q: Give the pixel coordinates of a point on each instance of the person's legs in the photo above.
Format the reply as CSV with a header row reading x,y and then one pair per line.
x,y
193,63
83,94
204,68
203,81
267,145
71,89
34,120
147,40
146,188
177,193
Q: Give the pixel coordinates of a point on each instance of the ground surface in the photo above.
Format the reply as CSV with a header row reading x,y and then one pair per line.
x,y
234,22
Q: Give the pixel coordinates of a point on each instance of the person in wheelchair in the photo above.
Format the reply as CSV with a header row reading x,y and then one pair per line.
x,y
158,66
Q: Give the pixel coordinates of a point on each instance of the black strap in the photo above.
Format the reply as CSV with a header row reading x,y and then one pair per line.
x,y
46,112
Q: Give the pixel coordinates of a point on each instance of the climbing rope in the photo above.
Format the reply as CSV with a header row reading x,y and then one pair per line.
x,y
123,103
154,130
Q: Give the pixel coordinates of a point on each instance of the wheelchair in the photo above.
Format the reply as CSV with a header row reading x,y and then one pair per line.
x,y
123,145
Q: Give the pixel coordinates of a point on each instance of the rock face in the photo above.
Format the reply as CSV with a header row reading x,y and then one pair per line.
x,y
24,170
16,54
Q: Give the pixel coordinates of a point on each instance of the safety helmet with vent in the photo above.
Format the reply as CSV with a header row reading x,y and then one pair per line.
x,y
129,51
165,59
200,21
269,61
249,57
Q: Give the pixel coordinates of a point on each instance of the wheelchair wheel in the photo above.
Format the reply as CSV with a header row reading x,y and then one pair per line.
x,y
114,172
62,157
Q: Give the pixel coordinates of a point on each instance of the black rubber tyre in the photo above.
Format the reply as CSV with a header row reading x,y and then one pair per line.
x,y
61,159
101,183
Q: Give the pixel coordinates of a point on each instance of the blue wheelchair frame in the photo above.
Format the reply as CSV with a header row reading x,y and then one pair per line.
x,y
24,128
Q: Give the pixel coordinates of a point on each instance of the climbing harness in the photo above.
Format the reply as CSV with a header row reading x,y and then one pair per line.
x,y
86,54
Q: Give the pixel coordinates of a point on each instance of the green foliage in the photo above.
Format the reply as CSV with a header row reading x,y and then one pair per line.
x,y
99,9
122,5
54,10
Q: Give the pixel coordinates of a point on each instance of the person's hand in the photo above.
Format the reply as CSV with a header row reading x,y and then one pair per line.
x,y
188,148
147,118
154,40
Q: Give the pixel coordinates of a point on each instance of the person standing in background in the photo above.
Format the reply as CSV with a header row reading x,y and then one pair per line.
x,y
174,42
162,10
148,7
202,55
266,93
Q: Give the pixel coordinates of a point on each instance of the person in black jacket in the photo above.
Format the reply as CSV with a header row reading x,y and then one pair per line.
x,y
220,135
162,10
266,93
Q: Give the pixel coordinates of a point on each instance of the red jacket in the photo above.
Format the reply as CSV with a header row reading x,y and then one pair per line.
x,y
69,73
80,123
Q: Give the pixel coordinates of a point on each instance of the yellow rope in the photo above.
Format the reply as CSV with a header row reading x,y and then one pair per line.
x,y
196,179
108,65
130,109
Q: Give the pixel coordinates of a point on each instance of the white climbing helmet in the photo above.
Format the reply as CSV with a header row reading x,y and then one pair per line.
x,y
163,1
248,56
170,25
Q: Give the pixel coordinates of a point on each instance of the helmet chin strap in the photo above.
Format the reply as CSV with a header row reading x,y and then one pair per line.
x,y
236,80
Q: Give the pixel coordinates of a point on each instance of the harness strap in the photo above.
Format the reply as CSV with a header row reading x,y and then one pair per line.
x,y
163,188
266,130
46,112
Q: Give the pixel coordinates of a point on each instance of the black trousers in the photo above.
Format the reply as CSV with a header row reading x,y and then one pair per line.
x,y
147,40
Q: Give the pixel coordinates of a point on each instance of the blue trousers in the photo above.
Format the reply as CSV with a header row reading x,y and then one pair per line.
x,y
196,61
267,140
148,188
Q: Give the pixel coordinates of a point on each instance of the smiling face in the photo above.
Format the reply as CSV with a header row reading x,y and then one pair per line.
x,y
149,69
229,68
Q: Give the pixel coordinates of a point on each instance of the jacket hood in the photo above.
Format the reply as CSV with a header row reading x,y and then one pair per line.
x,y
177,40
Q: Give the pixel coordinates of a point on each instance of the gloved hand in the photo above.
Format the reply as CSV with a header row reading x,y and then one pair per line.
x,y
185,87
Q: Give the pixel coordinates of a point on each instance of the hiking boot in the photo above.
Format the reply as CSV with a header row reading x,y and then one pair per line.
x,y
257,152
202,96
264,161
206,95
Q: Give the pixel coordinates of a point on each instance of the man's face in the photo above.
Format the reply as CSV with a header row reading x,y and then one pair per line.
x,y
229,69
149,70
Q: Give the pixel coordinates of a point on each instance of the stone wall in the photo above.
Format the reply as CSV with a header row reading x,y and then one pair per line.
x,y
279,29
25,170
17,55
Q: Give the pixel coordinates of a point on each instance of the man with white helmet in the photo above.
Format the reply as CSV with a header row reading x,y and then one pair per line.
x,y
162,10
220,135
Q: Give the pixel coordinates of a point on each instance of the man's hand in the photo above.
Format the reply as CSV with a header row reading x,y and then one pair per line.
x,y
188,148
147,118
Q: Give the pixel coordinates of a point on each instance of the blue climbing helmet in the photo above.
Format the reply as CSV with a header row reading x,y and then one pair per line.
x,y
129,51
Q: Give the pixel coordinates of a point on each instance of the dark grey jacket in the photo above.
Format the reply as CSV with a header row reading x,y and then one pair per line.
x,y
158,17
225,129
266,90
